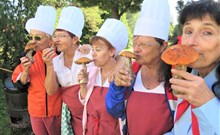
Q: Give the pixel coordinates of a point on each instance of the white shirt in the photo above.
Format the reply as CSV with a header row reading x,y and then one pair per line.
x,y
66,76
138,86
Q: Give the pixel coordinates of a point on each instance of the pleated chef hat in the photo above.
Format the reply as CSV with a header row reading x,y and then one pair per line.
x,y
44,20
154,19
71,20
115,32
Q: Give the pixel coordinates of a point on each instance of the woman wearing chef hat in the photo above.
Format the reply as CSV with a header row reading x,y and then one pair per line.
x,y
44,110
148,105
62,71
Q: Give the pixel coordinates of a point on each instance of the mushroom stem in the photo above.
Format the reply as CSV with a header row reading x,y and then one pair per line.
x,y
129,67
29,55
179,67
85,78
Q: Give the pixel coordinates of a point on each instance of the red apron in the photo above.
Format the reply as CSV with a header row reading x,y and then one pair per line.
x,y
71,99
99,121
148,114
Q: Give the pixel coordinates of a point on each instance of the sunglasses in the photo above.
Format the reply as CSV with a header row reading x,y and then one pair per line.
x,y
36,37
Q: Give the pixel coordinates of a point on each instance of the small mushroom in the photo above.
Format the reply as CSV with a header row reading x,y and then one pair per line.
x,y
179,56
52,45
30,51
128,55
83,61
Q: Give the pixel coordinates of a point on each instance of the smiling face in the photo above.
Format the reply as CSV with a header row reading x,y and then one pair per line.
x,y
102,52
204,36
43,43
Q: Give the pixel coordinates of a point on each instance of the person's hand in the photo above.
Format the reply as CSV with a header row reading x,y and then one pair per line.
x,y
192,88
48,55
123,78
85,49
83,76
111,77
26,63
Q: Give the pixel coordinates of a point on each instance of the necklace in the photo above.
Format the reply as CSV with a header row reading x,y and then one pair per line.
x,y
148,86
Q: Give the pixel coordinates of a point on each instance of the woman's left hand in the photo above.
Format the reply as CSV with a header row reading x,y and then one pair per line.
x,y
85,49
192,88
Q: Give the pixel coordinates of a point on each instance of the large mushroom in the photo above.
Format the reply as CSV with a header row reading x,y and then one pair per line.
x,y
83,61
30,51
129,56
179,56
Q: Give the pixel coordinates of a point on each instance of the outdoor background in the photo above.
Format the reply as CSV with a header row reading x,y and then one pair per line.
x,y
15,13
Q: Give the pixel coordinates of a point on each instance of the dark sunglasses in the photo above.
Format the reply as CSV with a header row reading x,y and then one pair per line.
x,y
32,37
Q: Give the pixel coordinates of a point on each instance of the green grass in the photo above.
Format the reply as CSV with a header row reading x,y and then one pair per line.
x,y
5,127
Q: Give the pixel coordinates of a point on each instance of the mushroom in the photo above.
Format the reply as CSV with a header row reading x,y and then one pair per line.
x,y
128,55
179,56
52,45
30,51
83,61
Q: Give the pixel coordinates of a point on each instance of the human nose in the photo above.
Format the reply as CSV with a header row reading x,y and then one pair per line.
x,y
191,40
33,41
93,54
136,47
57,38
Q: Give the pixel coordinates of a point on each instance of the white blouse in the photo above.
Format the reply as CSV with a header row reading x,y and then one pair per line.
x,y
66,76
138,86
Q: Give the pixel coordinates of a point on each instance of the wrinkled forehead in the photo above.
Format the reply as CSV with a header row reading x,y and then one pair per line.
x,y
143,39
37,32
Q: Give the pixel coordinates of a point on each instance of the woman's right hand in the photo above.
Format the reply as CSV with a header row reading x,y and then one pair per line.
x,y
123,78
83,80
26,63
83,76
48,55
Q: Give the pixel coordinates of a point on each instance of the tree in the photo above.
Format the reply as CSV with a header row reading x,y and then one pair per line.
x,y
12,35
116,8
15,13
177,29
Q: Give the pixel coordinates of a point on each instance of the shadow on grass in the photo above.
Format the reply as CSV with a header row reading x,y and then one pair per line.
x,y
5,127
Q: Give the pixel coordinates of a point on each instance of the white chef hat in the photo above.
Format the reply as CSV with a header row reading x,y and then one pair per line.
x,y
154,19
72,20
115,32
44,20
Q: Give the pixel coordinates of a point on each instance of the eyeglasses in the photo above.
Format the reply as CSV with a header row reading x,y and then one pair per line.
x,y
142,45
34,37
60,36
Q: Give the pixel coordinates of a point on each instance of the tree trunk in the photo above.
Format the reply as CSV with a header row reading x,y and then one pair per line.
x,y
115,13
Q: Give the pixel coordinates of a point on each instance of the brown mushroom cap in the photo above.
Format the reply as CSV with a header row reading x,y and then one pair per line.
x,y
82,60
29,46
179,55
127,54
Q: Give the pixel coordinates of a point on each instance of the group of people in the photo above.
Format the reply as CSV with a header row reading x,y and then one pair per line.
x,y
111,100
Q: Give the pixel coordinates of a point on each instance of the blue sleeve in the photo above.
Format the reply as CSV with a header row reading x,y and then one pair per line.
x,y
115,100
209,117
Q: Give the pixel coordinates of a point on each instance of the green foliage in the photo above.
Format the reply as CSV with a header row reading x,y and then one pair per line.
x,y
115,7
3,113
14,15
11,35
5,127
93,22
176,30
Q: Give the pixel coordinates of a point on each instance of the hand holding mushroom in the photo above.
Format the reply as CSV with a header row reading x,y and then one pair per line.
x,y
179,56
83,75
125,76
128,64
30,51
